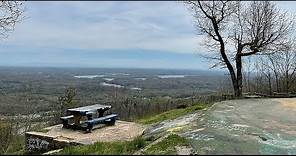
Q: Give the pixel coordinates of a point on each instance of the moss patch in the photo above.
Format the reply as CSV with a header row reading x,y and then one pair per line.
x,y
172,114
167,146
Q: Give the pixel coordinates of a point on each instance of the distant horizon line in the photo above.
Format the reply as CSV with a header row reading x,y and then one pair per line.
x,y
83,67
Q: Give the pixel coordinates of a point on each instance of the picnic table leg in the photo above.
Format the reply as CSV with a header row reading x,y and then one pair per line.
x,y
89,116
65,123
101,113
77,120
111,122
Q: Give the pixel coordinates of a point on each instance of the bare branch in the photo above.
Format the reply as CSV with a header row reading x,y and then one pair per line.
x,y
235,30
11,12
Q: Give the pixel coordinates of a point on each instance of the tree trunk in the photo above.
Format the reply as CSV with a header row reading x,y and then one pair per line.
x,y
287,82
269,84
248,82
277,83
238,84
236,79
237,91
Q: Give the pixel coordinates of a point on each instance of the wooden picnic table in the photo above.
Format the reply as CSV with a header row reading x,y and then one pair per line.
x,y
87,111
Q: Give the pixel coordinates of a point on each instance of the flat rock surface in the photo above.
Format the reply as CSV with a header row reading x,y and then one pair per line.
x,y
248,126
183,150
171,125
121,131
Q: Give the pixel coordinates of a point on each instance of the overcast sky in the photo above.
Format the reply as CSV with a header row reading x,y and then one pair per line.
x,y
106,34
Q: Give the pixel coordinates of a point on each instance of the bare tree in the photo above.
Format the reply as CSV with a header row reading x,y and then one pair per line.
x,y
266,71
236,30
5,136
284,64
11,12
247,73
67,100
276,73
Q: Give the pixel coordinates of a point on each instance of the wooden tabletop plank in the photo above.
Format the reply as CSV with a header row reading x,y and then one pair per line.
x,y
91,108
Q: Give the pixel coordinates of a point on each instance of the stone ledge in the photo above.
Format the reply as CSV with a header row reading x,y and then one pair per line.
x,y
57,137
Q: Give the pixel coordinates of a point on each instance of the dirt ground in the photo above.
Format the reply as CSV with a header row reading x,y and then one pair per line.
x,y
121,131
287,102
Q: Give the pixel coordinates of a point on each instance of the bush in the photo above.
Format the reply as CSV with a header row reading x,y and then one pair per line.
x,y
10,141
104,148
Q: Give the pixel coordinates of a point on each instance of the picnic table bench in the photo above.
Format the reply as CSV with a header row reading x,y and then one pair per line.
x,y
89,112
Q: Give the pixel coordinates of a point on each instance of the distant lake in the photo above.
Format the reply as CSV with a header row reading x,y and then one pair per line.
x,y
120,74
111,85
171,76
109,79
118,86
106,74
88,76
136,88
141,78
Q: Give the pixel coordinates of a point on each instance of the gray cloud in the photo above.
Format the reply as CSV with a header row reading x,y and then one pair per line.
x,y
95,27
107,25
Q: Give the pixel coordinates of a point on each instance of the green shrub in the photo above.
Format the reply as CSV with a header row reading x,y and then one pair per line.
x,y
10,141
103,148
